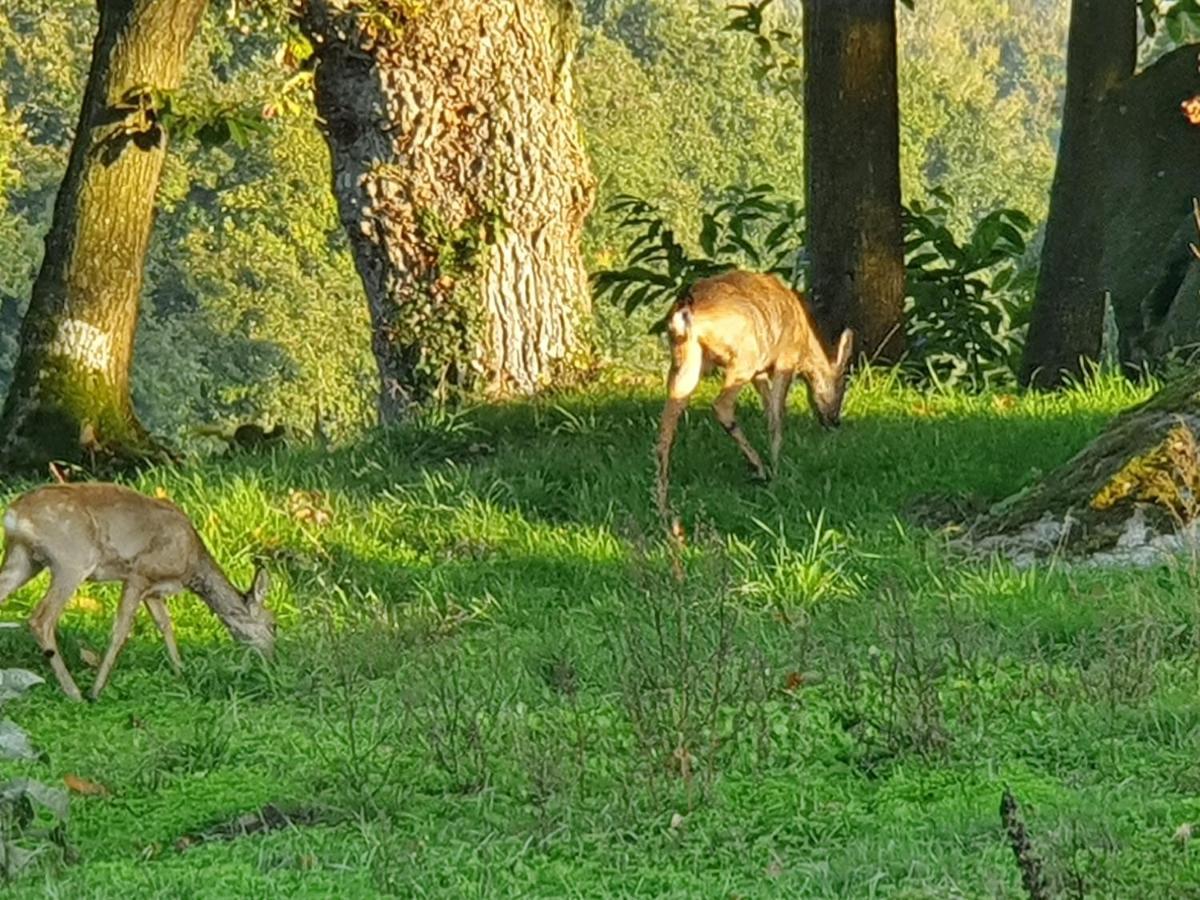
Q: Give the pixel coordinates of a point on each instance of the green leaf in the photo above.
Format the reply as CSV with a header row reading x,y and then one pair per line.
x,y
921,260
708,234
776,234
635,273
638,298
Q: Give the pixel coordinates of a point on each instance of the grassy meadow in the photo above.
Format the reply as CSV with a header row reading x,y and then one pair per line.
x,y
489,683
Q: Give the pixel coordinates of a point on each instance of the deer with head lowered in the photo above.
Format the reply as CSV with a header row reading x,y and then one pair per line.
x,y
104,532
756,331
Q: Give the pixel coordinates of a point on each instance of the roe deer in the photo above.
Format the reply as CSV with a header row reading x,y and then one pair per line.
x,y
104,532
756,330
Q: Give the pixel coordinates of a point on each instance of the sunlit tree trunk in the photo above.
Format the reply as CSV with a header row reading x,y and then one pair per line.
x,y
1068,308
70,391
852,154
462,183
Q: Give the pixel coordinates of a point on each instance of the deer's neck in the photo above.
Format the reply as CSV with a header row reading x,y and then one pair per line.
x,y
218,593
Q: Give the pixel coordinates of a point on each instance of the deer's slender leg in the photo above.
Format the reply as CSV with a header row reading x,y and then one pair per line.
x,y
762,384
44,621
162,618
687,363
131,597
724,408
776,403
19,567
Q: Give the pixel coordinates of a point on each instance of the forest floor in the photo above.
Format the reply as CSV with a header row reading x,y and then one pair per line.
x,y
488,682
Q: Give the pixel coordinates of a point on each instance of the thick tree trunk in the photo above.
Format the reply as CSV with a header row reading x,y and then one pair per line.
x,y
1068,308
852,154
462,183
70,391
1149,176
1130,494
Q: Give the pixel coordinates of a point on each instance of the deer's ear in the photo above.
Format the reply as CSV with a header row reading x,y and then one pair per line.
x,y
845,345
258,588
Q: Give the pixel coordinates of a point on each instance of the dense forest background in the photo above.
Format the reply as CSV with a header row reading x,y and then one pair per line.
x,y
250,271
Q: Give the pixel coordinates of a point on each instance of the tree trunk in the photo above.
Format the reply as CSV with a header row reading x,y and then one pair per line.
x,y
462,183
1148,175
70,390
1131,494
852,155
1068,308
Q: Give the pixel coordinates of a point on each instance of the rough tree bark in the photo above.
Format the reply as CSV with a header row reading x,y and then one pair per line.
x,y
70,391
1068,307
462,183
852,154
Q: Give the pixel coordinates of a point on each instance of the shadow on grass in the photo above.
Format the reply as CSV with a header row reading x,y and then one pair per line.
x,y
590,463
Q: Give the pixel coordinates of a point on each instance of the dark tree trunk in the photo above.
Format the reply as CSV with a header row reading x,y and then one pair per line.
x,y
1068,308
462,183
852,154
70,390
1149,176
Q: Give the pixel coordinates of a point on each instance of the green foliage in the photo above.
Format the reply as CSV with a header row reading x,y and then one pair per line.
x,y
966,302
669,109
210,125
779,50
253,310
751,226
1180,19
249,266
979,84
461,248
41,79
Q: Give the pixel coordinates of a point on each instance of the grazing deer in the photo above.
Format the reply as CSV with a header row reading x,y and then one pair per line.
x,y
104,532
756,330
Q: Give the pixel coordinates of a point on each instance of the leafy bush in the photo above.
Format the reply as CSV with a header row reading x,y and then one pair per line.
x,y
751,226
966,302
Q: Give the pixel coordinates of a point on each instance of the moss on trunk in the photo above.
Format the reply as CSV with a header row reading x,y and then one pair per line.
x,y
1133,488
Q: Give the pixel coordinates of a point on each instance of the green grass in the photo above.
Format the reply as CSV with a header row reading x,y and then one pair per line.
x,y
489,683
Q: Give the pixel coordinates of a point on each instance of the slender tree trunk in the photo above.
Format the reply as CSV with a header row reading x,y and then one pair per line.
x,y
1068,308
70,390
462,183
852,154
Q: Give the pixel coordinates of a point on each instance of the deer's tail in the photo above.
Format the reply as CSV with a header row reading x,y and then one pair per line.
x,y
679,324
